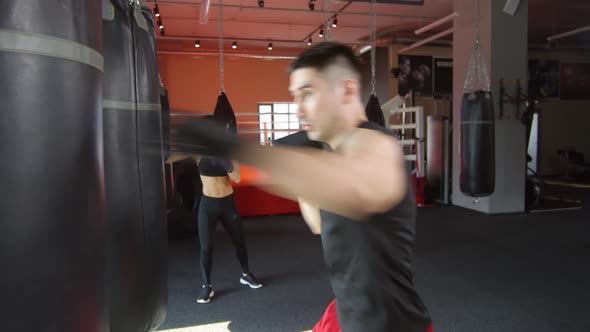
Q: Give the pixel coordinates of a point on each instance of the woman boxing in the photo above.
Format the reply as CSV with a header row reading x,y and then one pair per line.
x,y
217,203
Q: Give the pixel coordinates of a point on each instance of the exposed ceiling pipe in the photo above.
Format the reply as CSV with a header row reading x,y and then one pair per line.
x,y
415,40
366,46
569,33
302,10
230,55
204,18
425,41
545,47
436,23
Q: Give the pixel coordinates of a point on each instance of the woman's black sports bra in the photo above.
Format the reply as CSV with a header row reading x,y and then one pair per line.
x,y
214,167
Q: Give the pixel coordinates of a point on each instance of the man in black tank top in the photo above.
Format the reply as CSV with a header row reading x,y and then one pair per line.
x,y
355,193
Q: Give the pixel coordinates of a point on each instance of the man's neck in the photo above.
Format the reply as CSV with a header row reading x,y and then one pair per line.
x,y
336,141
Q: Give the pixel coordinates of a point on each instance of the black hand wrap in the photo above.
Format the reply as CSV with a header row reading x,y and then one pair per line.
x,y
205,138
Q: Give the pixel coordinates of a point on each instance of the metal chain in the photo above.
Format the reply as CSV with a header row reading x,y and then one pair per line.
x,y
477,21
477,73
373,37
220,28
327,24
483,71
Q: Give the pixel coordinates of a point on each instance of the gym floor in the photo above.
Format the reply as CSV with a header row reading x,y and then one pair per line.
x,y
521,272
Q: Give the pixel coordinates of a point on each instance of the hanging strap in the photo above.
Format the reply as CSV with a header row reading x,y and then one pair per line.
x,y
221,65
43,45
477,72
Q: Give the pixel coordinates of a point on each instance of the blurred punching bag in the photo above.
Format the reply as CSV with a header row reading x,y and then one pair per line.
x,y
134,180
51,205
477,143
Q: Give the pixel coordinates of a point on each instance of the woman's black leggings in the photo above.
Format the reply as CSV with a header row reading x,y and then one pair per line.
x,y
210,210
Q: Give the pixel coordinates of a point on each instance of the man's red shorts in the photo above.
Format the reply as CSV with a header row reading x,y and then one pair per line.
x,y
329,321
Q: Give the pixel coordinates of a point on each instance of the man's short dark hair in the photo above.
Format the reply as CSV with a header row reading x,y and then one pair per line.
x,y
322,55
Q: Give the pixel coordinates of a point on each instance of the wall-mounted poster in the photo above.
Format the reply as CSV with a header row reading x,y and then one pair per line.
x,y
544,75
414,73
443,77
574,81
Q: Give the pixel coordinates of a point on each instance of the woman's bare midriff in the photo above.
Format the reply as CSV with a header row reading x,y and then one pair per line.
x,y
216,186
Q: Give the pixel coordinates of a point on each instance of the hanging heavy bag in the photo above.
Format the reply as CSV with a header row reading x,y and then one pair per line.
x,y
51,201
477,148
224,113
374,112
133,172
151,177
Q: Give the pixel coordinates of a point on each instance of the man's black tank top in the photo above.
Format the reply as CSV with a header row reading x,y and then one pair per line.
x,y
370,267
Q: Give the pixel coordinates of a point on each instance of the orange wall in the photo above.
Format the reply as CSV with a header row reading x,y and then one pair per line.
x,y
193,82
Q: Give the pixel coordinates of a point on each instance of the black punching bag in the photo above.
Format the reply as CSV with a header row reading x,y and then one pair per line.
x,y
165,116
373,111
477,147
151,170
52,259
224,113
136,237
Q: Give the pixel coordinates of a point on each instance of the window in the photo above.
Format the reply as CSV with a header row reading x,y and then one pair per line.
x,y
277,120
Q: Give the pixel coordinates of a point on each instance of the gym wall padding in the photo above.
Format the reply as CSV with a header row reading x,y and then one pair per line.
x,y
134,180
51,207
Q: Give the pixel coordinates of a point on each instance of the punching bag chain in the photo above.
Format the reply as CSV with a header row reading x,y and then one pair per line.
x,y
477,73
327,23
220,28
373,37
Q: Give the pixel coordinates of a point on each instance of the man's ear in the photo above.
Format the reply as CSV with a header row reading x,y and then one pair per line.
x,y
351,91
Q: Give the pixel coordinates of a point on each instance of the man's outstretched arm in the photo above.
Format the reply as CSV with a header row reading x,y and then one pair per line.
x,y
368,175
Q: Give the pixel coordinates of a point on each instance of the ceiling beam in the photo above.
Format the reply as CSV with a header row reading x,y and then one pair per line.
x,y
426,41
283,41
236,55
302,10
